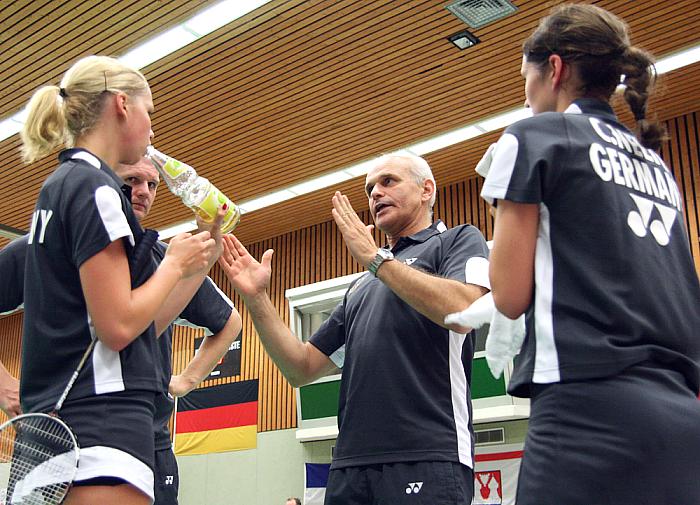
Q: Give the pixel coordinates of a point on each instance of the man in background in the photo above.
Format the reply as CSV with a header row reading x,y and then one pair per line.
x,y
209,309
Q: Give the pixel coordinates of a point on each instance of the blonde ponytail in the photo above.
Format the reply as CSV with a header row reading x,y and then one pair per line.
x,y
59,115
45,127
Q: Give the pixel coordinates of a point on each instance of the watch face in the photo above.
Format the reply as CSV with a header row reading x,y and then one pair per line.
x,y
385,253
381,257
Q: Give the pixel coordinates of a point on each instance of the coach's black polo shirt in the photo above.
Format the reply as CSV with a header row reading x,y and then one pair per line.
x,y
405,393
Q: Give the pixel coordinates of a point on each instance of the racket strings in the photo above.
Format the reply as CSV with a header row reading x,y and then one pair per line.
x,y
33,453
42,456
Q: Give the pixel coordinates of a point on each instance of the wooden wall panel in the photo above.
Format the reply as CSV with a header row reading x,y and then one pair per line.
x,y
10,345
682,154
317,252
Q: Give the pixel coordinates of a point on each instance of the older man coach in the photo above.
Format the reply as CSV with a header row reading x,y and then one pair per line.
x,y
405,428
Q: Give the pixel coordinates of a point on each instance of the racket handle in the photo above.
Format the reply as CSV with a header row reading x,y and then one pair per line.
x,y
73,378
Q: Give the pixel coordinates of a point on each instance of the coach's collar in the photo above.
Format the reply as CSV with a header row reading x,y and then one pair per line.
x,y
434,229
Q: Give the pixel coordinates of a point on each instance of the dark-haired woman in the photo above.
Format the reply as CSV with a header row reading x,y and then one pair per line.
x,y
590,243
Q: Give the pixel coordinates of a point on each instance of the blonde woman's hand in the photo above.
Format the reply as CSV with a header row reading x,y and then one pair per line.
x,y
192,254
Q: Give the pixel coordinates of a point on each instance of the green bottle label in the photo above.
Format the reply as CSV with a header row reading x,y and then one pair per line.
x,y
174,168
208,207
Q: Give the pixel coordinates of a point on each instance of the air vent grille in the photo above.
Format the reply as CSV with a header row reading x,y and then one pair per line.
x,y
477,13
490,436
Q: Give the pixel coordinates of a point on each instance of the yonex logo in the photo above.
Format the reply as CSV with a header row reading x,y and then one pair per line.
x,y
639,220
414,487
169,479
410,261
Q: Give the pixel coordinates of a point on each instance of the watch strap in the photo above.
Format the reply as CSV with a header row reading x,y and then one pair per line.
x,y
381,256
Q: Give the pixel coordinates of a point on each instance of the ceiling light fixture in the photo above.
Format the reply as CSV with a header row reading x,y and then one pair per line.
x,y
464,39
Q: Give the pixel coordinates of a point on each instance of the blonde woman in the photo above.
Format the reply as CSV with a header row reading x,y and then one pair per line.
x,y
79,285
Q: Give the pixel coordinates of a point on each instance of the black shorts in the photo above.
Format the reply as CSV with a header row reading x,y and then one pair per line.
x,y
420,483
629,439
167,478
115,435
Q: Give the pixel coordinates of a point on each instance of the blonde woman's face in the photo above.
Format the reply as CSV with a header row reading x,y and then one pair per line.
x,y
139,133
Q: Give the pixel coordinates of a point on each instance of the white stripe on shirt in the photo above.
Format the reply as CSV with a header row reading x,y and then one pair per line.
x,y
458,391
546,357
109,205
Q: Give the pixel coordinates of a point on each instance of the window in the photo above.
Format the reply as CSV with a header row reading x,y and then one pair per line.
x,y
311,305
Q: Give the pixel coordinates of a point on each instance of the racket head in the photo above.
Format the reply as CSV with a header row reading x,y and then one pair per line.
x,y
38,460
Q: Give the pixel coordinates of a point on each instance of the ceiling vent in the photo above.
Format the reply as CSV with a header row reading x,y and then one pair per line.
x,y
490,436
477,13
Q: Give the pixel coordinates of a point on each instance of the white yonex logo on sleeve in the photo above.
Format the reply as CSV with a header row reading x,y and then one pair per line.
x,y
169,479
414,487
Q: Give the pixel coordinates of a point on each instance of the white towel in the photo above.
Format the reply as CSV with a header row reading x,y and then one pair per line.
x,y
484,165
505,336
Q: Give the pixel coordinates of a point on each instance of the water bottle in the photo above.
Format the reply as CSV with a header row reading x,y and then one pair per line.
x,y
196,192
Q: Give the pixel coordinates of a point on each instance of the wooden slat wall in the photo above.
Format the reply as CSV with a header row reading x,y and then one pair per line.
x,y
317,253
10,345
682,154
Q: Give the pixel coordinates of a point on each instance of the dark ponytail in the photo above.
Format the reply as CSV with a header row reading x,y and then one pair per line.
x,y
640,75
596,43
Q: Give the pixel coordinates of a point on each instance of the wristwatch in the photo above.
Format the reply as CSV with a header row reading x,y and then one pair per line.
x,y
382,256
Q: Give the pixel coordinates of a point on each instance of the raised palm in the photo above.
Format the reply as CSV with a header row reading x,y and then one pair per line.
x,y
247,276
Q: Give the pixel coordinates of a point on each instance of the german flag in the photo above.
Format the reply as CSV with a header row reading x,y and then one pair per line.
x,y
217,419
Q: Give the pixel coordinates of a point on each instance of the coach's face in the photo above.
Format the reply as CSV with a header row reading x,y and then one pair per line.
x,y
398,204
143,179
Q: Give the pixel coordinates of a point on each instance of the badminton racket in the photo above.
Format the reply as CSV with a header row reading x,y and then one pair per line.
x,y
39,454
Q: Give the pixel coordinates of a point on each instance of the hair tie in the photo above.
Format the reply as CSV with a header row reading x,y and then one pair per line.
x,y
62,92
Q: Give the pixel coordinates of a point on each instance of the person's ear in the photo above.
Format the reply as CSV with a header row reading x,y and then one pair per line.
x,y
428,190
558,70
120,104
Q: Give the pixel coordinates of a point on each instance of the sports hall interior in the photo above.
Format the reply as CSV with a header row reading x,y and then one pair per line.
x,y
280,108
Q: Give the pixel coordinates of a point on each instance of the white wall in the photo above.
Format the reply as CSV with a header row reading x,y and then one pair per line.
x,y
263,476
272,472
